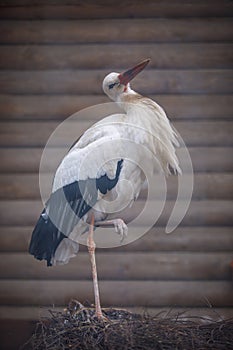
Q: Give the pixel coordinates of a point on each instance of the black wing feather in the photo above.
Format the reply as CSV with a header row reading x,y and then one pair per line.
x,y
64,209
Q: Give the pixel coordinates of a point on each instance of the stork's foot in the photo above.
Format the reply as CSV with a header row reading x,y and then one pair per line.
x,y
99,314
121,228
101,317
119,225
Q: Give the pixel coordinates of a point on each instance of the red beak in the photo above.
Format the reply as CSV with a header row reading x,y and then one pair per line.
x,y
129,74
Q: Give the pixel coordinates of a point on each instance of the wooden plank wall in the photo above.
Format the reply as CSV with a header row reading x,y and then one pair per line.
x,y
54,56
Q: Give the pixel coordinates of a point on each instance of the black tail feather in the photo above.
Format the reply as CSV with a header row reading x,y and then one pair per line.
x,y
45,239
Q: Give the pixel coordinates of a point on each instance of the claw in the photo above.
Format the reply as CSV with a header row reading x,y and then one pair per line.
x,y
121,228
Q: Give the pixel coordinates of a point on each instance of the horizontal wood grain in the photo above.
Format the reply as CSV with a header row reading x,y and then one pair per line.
x,y
206,186
122,30
120,10
15,239
32,107
118,293
15,333
172,56
120,266
54,56
101,5
200,213
36,134
90,82
27,160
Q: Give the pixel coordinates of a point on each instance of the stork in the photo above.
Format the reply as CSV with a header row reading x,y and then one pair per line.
x,y
81,191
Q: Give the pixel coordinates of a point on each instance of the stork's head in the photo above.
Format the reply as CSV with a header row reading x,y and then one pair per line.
x,y
115,84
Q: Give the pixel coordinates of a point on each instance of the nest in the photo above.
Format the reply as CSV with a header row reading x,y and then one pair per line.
x,y
78,328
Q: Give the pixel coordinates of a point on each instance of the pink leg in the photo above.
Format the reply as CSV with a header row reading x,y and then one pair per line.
x,y
91,249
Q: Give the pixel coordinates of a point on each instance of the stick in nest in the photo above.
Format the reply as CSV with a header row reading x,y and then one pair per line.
x,y
79,328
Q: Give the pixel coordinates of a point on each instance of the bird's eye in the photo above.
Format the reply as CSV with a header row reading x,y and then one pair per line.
x,y
111,86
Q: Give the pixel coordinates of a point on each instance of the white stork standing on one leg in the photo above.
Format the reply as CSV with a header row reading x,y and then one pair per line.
x,y
81,191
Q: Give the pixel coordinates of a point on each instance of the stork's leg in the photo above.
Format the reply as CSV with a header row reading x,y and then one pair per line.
x,y
120,226
91,248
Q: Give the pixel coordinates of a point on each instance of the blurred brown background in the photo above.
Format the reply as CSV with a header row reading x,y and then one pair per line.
x,y
54,56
